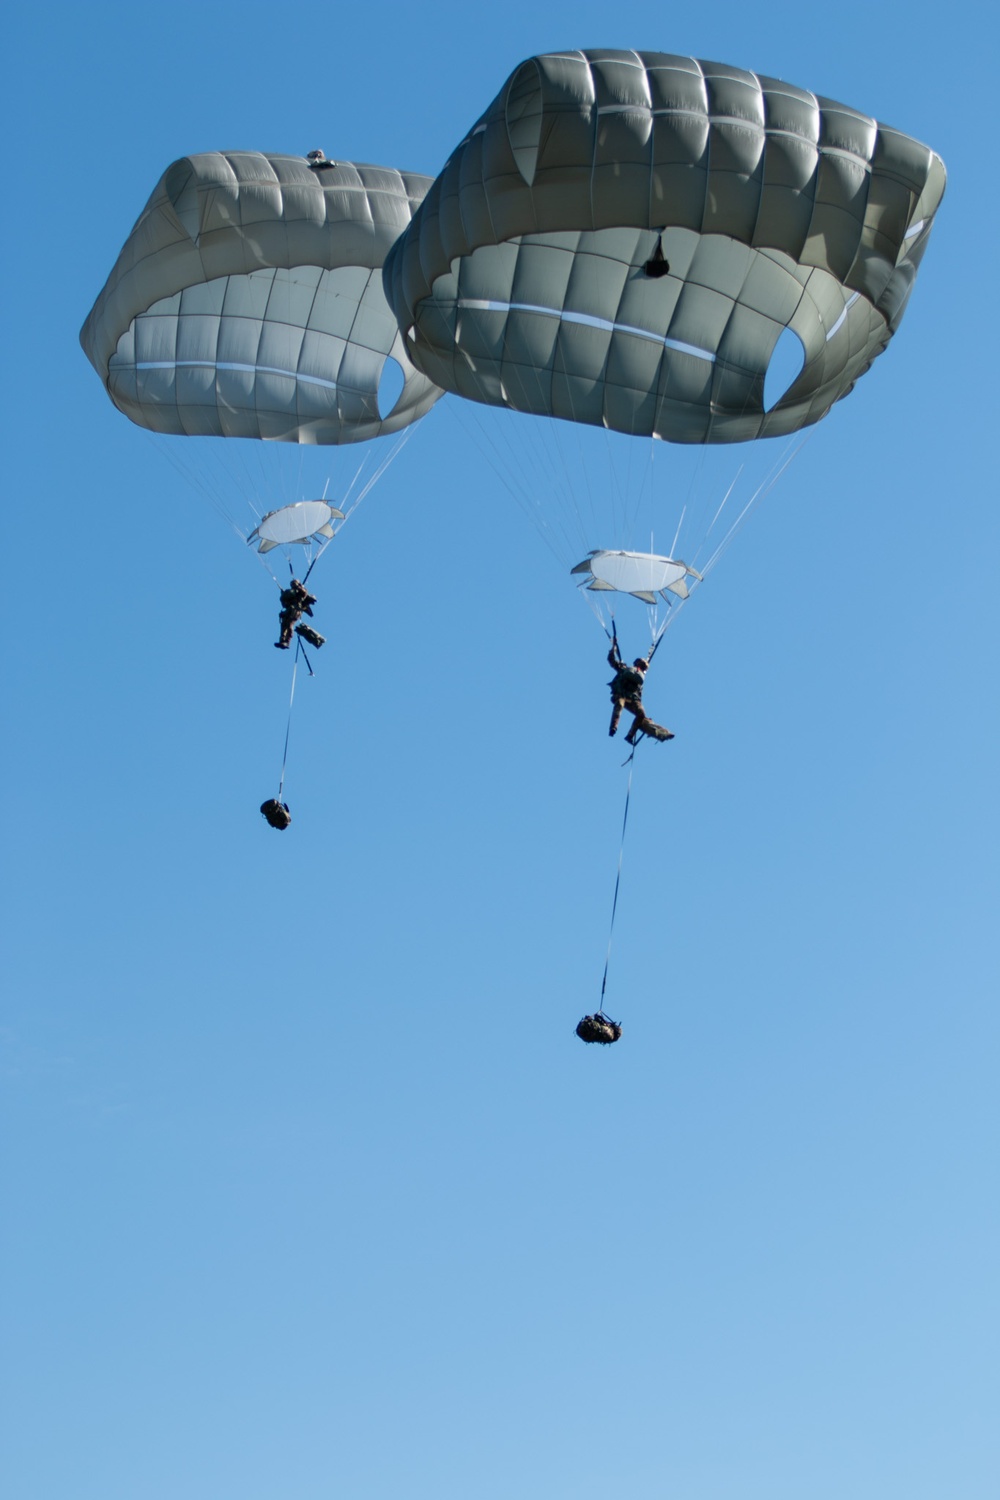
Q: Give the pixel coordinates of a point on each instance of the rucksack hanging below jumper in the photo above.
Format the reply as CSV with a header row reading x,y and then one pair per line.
x,y
276,813
598,1028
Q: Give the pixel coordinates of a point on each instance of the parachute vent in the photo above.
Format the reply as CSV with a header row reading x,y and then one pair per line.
x,y
783,368
390,387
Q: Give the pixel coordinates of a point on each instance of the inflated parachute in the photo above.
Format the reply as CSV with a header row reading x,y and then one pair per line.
x,y
248,302
622,238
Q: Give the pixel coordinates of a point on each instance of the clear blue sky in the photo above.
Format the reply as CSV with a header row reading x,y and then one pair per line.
x,y
308,1188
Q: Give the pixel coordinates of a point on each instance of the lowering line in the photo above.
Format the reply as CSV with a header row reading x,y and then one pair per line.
x,y
288,726
618,880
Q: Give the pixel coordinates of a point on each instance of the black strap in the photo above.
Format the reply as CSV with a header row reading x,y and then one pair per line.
x,y
618,880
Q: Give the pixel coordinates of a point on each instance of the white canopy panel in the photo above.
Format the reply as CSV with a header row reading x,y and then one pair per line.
x,y
300,522
644,575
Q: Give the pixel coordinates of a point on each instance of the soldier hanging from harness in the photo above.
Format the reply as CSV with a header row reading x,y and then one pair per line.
x,y
626,692
296,601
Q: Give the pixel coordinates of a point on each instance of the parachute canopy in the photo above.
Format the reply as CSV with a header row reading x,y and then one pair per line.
x,y
248,302
641,574
622,238
298,523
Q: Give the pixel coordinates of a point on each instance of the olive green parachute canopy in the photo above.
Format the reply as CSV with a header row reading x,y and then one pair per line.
x,y
623,237
248,302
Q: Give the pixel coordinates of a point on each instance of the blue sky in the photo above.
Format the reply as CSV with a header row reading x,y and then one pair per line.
x,y
310,1189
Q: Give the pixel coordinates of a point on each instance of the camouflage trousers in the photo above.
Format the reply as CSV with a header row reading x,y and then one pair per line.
x,y
635,708
640,723
287,620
